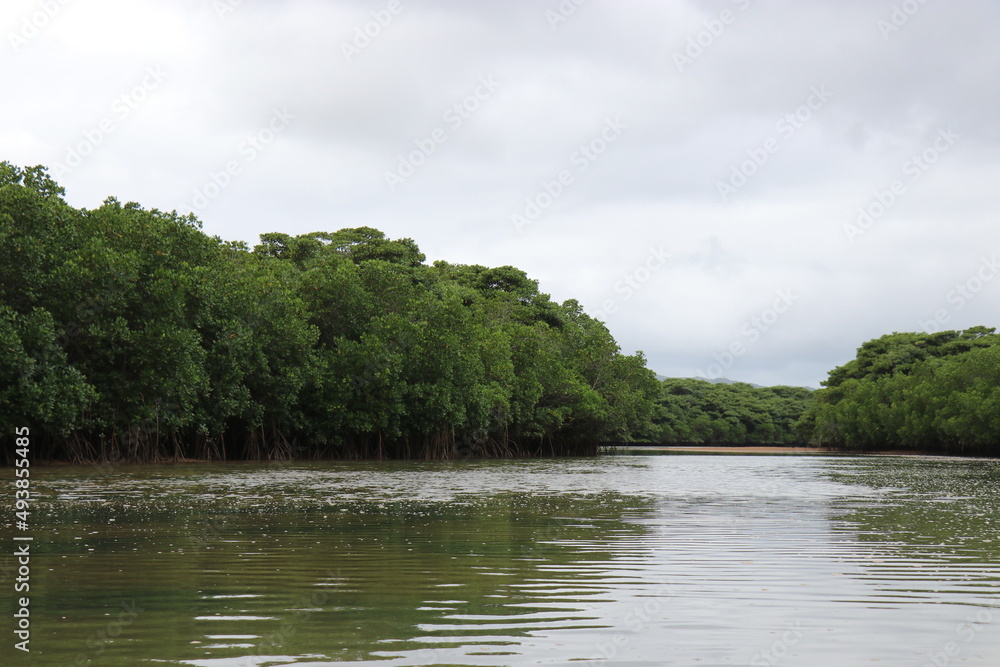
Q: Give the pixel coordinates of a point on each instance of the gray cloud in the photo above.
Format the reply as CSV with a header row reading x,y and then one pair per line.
x,y
737,112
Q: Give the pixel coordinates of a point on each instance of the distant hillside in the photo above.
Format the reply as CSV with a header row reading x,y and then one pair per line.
x,y
661,378
728,381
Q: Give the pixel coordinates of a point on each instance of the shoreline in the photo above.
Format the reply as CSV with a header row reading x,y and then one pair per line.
x,y
773,449
680,449
743,449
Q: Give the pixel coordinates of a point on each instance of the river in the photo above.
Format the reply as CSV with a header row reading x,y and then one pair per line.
x,y
616,560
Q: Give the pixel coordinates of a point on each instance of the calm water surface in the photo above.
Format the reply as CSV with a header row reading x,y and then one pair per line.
x,y
619,560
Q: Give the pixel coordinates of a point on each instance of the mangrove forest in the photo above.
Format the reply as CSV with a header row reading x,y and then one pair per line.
x,y
130,335
935,392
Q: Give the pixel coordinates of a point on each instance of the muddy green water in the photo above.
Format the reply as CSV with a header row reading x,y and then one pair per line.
x,y
619,560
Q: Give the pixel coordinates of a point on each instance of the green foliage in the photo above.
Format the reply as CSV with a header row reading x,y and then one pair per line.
x,y
37,385
936,392
900,352
129,334
700,412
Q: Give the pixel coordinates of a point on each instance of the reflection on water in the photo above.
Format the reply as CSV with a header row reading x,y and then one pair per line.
x,y
638,560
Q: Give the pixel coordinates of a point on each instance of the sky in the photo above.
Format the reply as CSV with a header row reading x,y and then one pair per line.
x,y
738,188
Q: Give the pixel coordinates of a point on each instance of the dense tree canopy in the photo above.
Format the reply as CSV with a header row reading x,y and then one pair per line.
x,y
130,334
932,392
700,412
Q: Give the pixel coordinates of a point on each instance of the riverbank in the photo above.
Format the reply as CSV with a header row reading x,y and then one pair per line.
x,y
770,449
637,449
745,449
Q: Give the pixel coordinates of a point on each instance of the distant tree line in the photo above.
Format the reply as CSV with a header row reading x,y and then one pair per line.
x,y
129,334
692,411
932,392
929,392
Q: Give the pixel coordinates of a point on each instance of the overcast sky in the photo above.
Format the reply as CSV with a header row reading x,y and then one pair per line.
x,y
740,187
